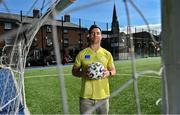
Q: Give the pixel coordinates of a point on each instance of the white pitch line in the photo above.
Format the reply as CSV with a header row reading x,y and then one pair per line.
x,y
43,76
39,76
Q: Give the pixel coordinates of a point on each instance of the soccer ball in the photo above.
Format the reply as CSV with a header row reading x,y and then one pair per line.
x,y
95,70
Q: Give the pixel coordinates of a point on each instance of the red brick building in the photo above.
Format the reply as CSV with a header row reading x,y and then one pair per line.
x,y
71,37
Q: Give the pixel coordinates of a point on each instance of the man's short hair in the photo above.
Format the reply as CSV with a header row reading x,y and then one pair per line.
x,y
92,27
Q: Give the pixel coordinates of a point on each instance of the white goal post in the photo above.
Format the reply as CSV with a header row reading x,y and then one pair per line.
x,y
171,56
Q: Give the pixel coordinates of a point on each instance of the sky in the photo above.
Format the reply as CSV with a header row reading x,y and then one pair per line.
x,y
100,11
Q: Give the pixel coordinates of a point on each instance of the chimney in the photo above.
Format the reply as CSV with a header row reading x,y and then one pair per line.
x,y
67,18
36,13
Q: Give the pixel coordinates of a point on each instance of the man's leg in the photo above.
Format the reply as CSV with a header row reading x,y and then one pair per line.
x,y
86,105
104,108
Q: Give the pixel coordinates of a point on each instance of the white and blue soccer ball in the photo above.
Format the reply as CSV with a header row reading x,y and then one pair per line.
x,y
95,70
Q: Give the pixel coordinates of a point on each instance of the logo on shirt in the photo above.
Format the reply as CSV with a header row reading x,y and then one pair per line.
x,y
103,59
87,56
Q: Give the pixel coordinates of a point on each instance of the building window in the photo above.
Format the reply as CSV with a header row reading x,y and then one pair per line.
x,y
7,26
49,41
37,54
66,42
9,40
80,42
49,29
65,31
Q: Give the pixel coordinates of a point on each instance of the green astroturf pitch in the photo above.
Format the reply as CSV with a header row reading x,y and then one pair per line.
x,y
43,95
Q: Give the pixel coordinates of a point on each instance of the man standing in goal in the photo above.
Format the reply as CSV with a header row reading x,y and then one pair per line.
x,y
94,92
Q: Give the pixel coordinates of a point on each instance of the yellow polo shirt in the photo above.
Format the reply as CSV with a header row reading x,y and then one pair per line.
x,y
94,89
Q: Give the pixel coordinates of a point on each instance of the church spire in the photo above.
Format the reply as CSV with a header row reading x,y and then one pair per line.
x,y
115,23
114,14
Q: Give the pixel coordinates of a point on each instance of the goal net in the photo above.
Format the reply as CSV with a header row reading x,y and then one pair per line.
x,y
13,60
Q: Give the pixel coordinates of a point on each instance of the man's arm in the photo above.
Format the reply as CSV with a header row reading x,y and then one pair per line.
x,y
76,71
112,70
109,72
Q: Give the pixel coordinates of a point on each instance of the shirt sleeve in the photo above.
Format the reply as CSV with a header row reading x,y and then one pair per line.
x,y
110,61
78,60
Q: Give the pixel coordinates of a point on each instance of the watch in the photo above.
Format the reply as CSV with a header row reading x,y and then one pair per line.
x,y
110,73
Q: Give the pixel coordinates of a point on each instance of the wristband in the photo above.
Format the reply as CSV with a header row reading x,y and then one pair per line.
x,y
110,73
